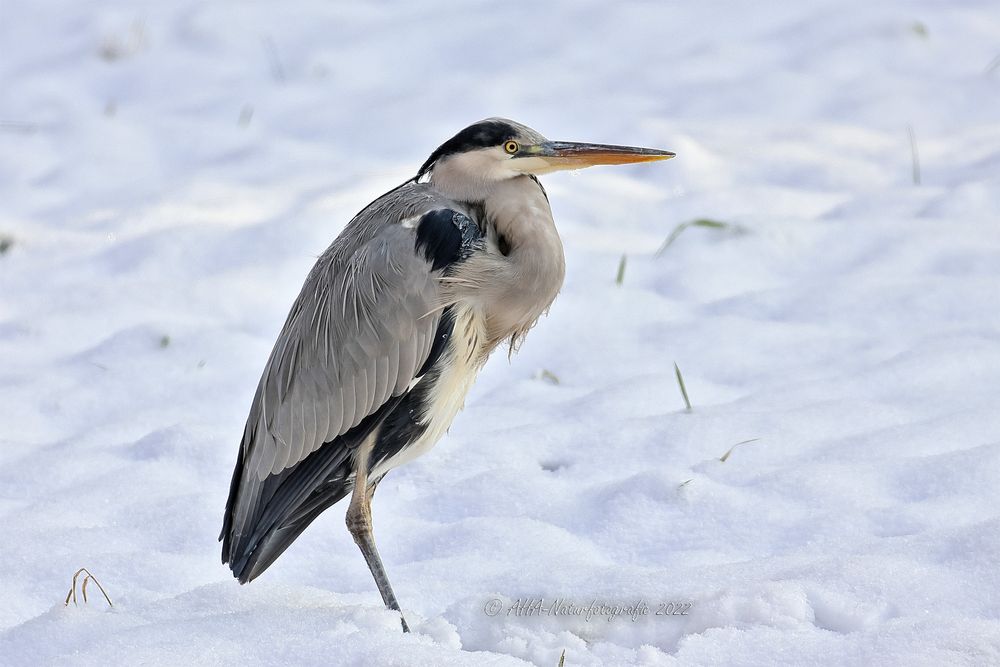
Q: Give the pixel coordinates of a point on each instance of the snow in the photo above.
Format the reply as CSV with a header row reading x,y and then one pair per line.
x,y
169,171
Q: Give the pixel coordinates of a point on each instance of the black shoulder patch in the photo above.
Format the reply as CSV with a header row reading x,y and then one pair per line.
x,y
441,338
445,237
479,135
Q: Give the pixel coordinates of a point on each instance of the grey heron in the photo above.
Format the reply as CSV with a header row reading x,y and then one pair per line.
x,y
390,329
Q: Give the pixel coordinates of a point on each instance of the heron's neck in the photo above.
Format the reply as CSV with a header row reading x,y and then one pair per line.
x,y
467,177
519,212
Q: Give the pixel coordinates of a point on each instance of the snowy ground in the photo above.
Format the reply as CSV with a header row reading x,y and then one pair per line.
x,y
169,172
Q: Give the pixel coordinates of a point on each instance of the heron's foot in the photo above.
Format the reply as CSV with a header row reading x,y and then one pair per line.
x,y
87,578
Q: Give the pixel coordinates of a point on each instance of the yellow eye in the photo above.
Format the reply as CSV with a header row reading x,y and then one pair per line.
x,y
511,147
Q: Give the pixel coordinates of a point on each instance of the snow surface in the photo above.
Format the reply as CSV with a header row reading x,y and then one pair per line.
x,y
169,171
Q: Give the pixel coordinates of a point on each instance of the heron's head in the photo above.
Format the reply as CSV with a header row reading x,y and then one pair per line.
x,y
497,149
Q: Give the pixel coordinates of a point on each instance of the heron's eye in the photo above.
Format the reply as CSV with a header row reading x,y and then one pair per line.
x,y
511,147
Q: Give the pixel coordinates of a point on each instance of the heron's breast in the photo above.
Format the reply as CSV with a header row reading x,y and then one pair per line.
x,y
450,381
463,359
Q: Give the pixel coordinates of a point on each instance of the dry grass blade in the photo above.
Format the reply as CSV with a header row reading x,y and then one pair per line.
x,y
993,66
114,48
72,591
730,451
277,69
246,113
620,277
19,126
684,391
88,577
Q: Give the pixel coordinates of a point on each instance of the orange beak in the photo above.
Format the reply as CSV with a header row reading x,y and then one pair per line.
x,y
571,155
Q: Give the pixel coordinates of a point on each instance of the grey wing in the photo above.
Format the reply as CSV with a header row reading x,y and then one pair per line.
x,y
358,335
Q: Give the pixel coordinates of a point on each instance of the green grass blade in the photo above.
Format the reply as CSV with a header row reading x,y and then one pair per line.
x,y
684,392
730,450
914,155
706,223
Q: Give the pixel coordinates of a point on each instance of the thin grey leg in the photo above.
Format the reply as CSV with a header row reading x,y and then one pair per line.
x,y
359,522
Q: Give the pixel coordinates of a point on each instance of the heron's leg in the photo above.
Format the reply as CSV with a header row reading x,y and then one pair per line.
x,y
359,522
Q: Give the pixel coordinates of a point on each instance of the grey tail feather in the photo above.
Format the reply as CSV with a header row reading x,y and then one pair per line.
x,y
251,565
301,494
292,499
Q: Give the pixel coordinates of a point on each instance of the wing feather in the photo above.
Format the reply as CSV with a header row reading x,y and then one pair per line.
x,y
393,373
350,402
381,380
407,359
336,404
308,424
322,410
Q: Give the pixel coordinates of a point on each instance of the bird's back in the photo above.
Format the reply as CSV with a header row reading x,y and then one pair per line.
x,y
367,327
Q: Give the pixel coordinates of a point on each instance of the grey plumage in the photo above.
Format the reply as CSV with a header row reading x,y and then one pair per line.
x,y
390,329
357,335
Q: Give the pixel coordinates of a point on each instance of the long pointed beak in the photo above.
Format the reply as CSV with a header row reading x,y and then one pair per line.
x,y
571,155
